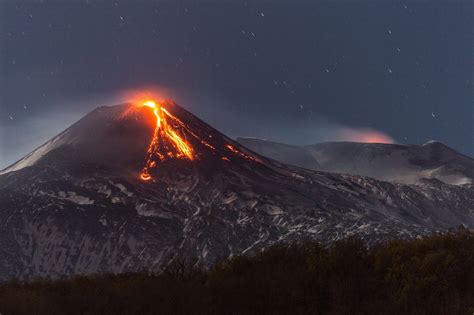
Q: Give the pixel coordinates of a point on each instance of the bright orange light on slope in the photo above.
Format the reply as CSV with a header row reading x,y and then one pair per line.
x,y
168,141
145,176
245,156
163,134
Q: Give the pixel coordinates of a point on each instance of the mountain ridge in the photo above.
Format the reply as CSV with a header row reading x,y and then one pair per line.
x,y
406,164
81,210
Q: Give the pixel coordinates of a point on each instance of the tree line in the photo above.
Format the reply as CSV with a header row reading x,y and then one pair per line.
x,y
431,275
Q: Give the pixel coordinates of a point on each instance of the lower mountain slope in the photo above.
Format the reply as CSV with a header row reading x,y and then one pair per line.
x,y
80,204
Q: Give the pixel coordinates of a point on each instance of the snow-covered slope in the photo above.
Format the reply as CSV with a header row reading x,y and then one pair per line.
x,y
407,164
78,205
104,136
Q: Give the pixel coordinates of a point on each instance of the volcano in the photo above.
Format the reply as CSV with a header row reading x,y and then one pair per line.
x,y
134,186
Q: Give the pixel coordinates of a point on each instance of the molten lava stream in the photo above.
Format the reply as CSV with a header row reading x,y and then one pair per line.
x,y
162,134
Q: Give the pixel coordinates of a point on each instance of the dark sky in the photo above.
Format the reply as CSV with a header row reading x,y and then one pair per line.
x,y
297,71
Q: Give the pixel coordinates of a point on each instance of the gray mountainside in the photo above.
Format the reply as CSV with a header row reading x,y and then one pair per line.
x,y
405,164
76,205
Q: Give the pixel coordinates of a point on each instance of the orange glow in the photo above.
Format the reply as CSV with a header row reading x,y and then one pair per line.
x,y
245,156
169,138
378,139
228,146
145,176
164,135
365,135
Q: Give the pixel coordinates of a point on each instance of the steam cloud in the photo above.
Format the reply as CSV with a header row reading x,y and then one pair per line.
x,y
362,135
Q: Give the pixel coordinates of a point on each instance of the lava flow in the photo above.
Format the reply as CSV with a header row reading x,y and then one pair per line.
x,y
169,142
166,142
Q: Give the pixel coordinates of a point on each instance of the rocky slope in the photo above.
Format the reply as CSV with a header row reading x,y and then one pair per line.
x,y
406,164
77,203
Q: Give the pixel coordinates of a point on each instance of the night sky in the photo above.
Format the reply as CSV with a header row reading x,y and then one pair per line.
x,y
298,71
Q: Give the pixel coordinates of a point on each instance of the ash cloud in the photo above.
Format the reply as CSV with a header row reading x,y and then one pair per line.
x,y
361,135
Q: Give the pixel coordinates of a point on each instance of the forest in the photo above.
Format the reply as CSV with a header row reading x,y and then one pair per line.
x,y
430,275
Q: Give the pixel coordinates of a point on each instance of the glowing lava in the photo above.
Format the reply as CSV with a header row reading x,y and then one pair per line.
x,y
169,141
166,142
245,156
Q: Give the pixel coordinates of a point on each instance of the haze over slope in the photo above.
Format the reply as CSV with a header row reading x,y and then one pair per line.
x,y
407,164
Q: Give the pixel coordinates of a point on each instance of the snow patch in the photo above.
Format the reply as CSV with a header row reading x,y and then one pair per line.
x,y
272,210
69,196
146,210
78,199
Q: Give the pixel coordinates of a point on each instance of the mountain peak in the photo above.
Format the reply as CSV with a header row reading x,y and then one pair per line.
x,y
136,138
82,204
433,143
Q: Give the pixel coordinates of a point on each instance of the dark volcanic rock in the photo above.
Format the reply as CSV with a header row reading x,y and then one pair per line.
x,y
77,205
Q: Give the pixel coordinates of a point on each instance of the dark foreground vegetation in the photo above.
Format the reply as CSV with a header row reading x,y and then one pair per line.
x,y
434,275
